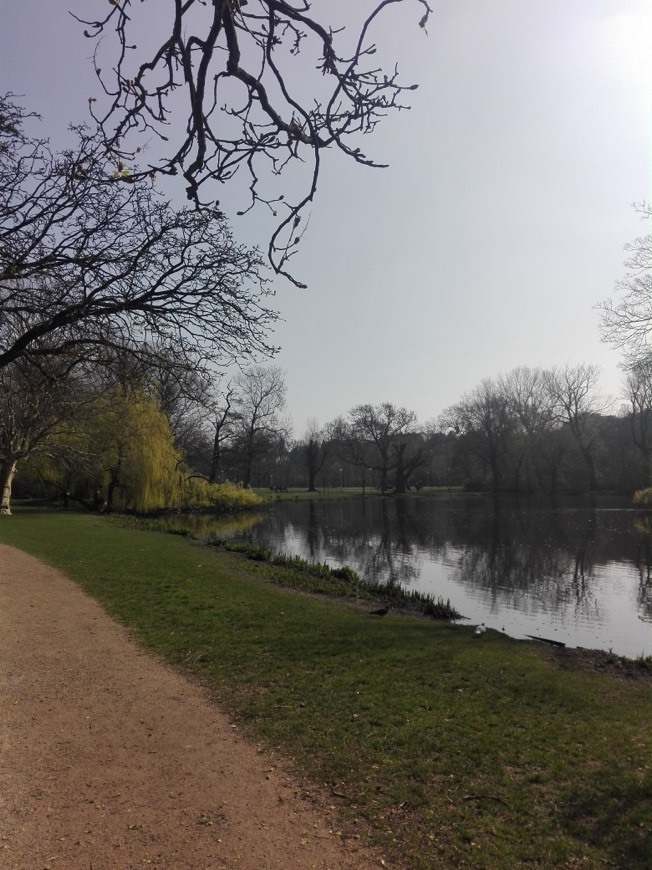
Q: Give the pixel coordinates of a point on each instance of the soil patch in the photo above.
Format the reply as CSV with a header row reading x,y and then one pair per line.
x,y
599,661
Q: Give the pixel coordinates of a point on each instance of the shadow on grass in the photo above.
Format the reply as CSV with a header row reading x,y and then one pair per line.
x,y
615,819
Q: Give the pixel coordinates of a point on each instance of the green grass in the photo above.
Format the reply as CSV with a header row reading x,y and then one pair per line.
x,y
337,493
342,582
445,750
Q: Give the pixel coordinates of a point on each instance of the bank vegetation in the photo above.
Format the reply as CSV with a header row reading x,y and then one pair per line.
x,y
442,748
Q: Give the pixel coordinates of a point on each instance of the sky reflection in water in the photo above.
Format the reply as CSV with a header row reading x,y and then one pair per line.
x,y
577,572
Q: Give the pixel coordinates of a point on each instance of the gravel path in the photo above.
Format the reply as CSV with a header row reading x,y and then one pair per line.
x,y
110,760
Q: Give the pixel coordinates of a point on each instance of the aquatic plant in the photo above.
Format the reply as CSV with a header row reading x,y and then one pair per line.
x,y
342,581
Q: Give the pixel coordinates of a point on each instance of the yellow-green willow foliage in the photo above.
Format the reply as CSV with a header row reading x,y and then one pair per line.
x,y
152,463
134,451
196,492
121,444
643,497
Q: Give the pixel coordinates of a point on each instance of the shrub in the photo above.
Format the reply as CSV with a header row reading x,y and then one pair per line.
x,y
643,497
197,493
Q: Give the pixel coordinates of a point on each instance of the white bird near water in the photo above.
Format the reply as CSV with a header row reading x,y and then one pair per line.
x,y
480,630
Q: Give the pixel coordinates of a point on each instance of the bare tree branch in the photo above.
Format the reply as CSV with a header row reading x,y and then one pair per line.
x,y
88,260
627,318
248,103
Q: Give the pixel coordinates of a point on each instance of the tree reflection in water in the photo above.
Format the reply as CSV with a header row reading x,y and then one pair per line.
x,y
537,560
580,563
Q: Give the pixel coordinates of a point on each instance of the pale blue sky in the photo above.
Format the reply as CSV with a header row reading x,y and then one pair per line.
x,y
499,225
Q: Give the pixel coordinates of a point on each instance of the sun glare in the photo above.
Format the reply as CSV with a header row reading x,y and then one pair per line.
x,y
626,38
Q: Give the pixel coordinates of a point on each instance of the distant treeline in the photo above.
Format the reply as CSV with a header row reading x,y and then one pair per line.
x,y
532,430
144,437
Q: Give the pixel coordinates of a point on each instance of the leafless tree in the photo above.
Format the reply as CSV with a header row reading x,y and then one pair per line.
x,y
259,414
222,420
249,101
638,387
34,406
484,420
577,402
315,450
537,449
88,261
627,319
383,438
183,395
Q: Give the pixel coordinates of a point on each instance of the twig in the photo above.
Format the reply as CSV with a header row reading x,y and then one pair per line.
x,y
491,797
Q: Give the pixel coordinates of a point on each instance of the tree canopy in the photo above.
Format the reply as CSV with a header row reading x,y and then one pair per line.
x,y
383,439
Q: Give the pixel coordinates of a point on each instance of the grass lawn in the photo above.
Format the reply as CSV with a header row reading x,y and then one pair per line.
x,y
336,493
446,750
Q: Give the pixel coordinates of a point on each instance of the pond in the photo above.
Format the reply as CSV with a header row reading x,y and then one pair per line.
x,y
578,571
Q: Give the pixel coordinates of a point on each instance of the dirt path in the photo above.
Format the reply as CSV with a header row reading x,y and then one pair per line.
x,y
110,761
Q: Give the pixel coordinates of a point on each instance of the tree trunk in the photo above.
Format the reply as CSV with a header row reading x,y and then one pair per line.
x,y
590,467
645,453
110,492
312,478
7,473
248,467
216,459
383,478
496,474
312,452
400,478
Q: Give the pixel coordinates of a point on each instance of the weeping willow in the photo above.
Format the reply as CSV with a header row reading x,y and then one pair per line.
x,y
155,475
122,447
141,464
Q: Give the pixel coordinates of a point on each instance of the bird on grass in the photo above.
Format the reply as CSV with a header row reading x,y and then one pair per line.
x,y
380,612
480,630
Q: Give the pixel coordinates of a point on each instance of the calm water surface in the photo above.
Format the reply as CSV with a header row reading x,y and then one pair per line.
x,y
577,572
